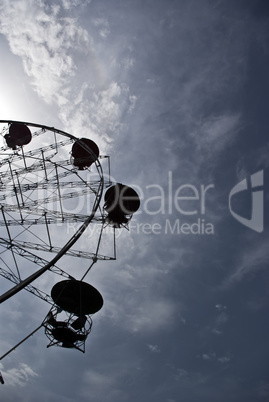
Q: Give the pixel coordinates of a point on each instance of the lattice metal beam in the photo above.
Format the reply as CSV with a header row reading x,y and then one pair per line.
x,y
47,248
16,157
52,217
32,289
37,260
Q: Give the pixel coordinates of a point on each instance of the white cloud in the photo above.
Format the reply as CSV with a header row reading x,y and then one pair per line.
x,y
224,359
212,356
137,315
70,4
222,318
209,356
190,378
250,260
107,384
43,41
59,58
103,25
216,133
182,373
18,376
154,348
220,307
217,331
99,112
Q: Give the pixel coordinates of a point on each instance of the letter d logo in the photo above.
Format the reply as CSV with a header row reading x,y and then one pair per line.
x,y
256,221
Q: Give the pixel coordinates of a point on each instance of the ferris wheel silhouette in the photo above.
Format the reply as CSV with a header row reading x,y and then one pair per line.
x,y
51,187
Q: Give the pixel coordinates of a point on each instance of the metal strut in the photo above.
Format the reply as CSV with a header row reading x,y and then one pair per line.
x,y
24,339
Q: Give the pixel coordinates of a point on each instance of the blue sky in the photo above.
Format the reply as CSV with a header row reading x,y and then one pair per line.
x,y
176,93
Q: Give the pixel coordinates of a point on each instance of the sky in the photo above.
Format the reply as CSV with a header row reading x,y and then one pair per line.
x,y
176,93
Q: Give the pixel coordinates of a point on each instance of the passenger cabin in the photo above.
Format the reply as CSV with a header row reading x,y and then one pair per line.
x,y
84,153
18,135
121,202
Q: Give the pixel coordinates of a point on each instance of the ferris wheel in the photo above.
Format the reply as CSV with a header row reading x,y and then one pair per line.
x,y
51,187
